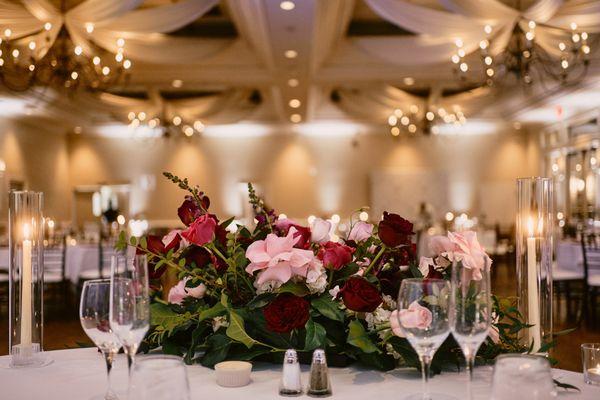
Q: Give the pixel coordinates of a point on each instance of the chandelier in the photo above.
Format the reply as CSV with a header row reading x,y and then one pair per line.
x,y
36,60
524,60
411,121
170,127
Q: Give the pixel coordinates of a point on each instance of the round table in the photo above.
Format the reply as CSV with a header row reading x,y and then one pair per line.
x,y
79,374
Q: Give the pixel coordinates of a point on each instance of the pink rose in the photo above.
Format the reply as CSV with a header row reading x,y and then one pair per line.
x,y
180,292
395,324
464,247
201,231
335,255
278,259
416,316
361,231
320,231
302,233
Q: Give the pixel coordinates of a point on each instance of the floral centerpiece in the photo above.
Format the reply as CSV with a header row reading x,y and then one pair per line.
x,y
226,291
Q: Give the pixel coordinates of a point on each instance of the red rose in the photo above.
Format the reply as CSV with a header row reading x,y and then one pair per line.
x,y
335,255
190,210
395,230
155,245
360,295
282,227
433,274
198,255
201,231
286,313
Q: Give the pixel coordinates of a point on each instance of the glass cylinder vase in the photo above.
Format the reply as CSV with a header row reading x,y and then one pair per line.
x,y
534,247
26,279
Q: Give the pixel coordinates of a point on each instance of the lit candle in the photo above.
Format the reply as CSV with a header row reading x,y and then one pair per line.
x,y
26,288
593,375
532,289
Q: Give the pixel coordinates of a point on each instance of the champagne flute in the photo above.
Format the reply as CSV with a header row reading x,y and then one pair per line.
x,y
470,309
423,318
129,302
94,317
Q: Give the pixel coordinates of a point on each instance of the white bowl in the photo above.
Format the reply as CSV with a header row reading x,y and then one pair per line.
x,y
233,373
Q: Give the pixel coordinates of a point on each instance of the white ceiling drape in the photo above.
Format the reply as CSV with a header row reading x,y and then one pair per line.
x,y
437,30
143,29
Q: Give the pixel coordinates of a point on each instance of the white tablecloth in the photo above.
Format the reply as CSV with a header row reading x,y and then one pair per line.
x,y
81,257
569,255
80,374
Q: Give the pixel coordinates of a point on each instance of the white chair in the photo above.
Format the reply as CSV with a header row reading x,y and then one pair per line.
x,y
591,263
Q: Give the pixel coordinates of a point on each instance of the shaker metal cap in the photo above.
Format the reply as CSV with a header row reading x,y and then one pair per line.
x,y
319,357
291,357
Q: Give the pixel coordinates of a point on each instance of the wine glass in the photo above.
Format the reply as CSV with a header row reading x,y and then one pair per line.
x,y
167,376
470,310
94,317
423,318
129,302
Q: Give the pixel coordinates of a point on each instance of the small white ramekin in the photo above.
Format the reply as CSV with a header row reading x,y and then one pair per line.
x,y
233,373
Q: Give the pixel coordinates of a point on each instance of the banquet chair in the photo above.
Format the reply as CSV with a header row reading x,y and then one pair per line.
x,y
568,276
56,285
105,252
591,263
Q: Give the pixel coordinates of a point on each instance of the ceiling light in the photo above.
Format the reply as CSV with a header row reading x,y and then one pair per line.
x,y
293,82
287,5
199,126
395,131
412,128
392,120
295,103
291,54
430,116
414,108
89,27
408,81
177,83
295,118
177,120
77,130
188,130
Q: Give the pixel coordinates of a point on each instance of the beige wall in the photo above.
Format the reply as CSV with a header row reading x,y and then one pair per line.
x,y
308,175
36,155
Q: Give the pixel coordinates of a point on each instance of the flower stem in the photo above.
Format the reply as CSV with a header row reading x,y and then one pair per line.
x,y
377,257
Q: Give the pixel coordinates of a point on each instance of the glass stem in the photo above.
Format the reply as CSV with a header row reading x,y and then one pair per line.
x,y
109,357
425,361
470,365
130,352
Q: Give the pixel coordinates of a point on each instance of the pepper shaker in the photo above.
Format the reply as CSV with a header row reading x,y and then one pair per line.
x,y
319,384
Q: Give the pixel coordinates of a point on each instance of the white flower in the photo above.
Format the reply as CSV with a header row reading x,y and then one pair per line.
x,y
377,317
266,287
316,281
334,292
218,322
389,302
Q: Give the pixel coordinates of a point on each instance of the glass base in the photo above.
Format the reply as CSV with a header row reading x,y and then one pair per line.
x,y
28,356
429,396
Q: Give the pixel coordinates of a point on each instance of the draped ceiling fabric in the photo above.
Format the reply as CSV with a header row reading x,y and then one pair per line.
x,y
436,30
379,102
223,108
143,29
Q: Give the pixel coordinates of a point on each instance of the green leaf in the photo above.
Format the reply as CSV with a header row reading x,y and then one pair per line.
x,y
162,315
236,330
565,386
357,337
133,241
260,301
218,347
414,270
215,311
143,242
315,336
294,288
327,307
383,362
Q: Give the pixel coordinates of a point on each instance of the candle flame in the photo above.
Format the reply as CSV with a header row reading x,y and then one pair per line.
x,y
26,232
530,226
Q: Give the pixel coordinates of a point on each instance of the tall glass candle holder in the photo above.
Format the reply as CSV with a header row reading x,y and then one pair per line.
x,y
26,279
534,232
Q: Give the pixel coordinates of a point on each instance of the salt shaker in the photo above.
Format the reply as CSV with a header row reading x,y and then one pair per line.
x,y
319,385
291,383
